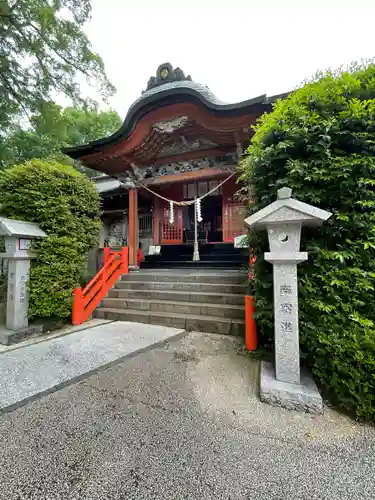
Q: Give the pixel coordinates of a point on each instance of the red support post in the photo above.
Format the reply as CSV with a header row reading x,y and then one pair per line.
x,y
251,337
133,226
125,260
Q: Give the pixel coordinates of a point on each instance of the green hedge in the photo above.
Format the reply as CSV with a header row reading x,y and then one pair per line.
x,y
66,205
320,141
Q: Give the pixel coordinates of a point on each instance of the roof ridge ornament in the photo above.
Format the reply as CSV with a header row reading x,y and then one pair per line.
x,y
166,74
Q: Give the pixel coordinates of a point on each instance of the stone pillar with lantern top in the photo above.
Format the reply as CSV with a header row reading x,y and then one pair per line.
x,y
18,236
283,219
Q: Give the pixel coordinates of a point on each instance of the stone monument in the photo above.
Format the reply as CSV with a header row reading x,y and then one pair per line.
x,y
283,219
18,236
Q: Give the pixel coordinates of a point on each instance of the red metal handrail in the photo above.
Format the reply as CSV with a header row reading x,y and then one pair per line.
x,y
87,300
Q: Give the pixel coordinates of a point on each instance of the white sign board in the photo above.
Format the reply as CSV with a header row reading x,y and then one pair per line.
x,y
154,250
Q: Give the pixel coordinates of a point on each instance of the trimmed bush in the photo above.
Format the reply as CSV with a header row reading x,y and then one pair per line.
x,y
66,205
320,141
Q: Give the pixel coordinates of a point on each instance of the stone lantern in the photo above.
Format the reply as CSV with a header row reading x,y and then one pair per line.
x,y
18,236
283,220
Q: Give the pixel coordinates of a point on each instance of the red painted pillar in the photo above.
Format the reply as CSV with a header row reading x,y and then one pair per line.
x,y
125,260
133,227
156,221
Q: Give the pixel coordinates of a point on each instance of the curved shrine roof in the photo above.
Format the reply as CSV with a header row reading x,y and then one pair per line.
x,y
171,86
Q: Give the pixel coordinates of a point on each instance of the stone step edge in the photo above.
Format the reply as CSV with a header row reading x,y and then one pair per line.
x,y
177,292
179,303
185,283
217,319
173,271
183,272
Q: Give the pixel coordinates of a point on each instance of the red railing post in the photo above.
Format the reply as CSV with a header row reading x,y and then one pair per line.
x,y
251,338
107,255
125,260
77,316
104,275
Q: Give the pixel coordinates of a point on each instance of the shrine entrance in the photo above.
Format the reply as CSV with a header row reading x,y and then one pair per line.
x,y
210,230
223,215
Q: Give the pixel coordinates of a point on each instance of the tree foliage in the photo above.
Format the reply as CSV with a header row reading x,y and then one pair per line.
x,y
320,142
66,205
44,50
54,128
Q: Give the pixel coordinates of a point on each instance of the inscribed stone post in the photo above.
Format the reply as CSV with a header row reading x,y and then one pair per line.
x,y
17,299
283,221
18,236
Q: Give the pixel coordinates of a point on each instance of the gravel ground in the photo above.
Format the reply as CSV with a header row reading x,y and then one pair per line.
x,y
181,421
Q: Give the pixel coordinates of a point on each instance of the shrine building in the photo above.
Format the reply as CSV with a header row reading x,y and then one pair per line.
x,y
178,142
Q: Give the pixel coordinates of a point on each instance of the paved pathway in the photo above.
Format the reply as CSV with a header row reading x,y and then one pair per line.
x,y
53,334
46,366
180,421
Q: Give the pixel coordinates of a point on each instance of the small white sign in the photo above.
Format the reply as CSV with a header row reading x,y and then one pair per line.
x,y
24,243
154,250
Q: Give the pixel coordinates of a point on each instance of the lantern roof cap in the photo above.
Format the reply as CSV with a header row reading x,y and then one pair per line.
x,y
287,210
18,228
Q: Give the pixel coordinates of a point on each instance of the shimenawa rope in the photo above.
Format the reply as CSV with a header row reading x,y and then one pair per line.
x,y
189,202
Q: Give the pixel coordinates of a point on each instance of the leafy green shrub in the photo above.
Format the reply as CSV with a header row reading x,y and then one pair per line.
x,y
66,206
320,141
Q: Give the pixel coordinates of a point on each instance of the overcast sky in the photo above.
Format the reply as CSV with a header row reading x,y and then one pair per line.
x,y
238,48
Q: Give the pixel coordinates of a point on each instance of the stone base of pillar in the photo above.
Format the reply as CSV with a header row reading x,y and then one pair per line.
x,y
301,397
133,268
8,337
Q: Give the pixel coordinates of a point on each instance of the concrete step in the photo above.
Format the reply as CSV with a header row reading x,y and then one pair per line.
x,y
182,287
211,298
187,276
209,264
224,257
188,322
173,307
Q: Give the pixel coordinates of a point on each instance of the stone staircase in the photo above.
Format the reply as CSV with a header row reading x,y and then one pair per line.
x,y
193,299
